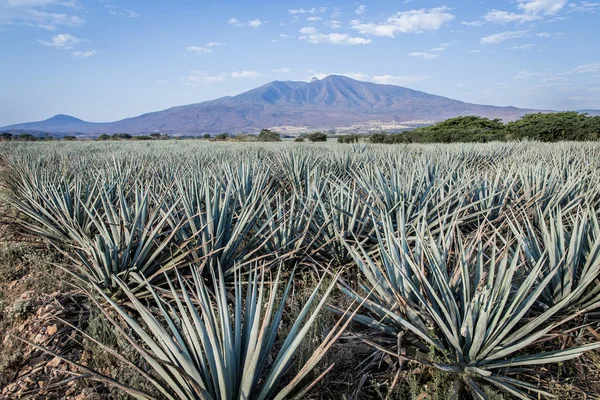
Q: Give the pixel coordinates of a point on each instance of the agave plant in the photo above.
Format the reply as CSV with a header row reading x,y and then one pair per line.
x,y
221,225
54,208
134,243
203,344
462,308
572,248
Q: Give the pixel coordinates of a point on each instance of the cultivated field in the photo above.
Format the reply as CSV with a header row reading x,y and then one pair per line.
x,y
199,270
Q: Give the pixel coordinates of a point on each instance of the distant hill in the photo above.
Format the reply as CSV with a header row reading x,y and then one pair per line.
x,y
332,102
592,113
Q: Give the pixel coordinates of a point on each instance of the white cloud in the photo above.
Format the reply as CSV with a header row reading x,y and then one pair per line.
x,y
503,17
544,7
311,35
584,69
282,70
84,54
62,41
117,10
381,79
255,23
474,51
195,78
213,44
441,47
199,50
399,80
500,37
309,30
333,24
527,46
313,19
543,34
308,11
361,9
427,56
584,6
414,21
244,74
36,13
472,23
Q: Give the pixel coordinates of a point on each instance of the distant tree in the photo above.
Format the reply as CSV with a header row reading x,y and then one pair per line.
x,y
317,137
104,136
348,139
155,136
299,139
554,127
459,129
206,136
267,135
222,136
69,138
380,137
246,138
26,137
121,136
6,136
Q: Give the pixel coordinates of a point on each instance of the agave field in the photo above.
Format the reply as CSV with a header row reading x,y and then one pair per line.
x,y
480,262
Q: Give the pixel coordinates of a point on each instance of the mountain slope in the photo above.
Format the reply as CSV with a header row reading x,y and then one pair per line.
x,y
331,102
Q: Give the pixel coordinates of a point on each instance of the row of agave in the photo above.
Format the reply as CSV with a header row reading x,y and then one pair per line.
x,y
469,258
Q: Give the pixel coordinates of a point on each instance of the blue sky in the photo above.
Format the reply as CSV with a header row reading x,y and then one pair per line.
x,y
103,60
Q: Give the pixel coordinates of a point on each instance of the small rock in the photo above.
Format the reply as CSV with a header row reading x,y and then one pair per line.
x,y
51,330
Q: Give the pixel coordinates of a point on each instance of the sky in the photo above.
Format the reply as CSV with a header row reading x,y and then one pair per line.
x,y
104,60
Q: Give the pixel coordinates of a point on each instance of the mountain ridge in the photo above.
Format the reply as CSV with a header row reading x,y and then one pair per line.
x,y
329,103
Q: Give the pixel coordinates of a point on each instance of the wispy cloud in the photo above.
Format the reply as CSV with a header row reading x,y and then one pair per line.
x,y
196,77
472,23
501,37
84,54
199,49
530,10
254,23
361,9
206,49
307,11
61,41
427,56
399,79
121,11
385,79
312,35
545,7
245,74
503,17
39,13
414,21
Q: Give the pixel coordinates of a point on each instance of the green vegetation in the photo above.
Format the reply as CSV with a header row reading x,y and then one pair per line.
x,y
349,138
551,127
317,137
267,135
228,270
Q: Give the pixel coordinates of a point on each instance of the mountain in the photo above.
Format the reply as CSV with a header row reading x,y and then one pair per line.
x,y
332,102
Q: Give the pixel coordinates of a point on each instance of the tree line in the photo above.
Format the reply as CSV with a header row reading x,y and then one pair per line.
x,y
549,127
